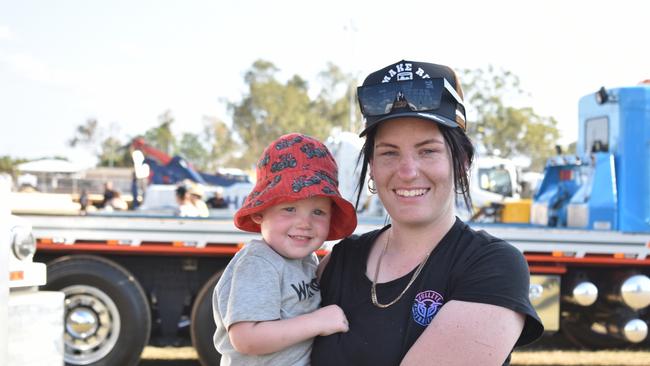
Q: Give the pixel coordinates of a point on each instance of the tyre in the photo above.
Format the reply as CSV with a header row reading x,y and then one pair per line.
x,y
202,325
107,315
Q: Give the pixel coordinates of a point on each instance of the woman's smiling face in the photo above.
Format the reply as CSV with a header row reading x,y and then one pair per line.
x,y
412,169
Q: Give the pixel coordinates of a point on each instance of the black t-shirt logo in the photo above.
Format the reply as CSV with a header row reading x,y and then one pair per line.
x,y
425,306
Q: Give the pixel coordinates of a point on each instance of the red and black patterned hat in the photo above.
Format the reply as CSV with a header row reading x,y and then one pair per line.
x,y
292,168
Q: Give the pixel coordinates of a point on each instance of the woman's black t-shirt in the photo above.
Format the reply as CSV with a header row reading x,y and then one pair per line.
x,y
466,265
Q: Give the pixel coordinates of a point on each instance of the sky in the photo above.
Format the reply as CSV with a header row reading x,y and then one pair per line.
x,y
124,63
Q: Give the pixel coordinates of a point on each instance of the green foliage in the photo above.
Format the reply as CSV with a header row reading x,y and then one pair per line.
x,y
6,164
161,136
88,135
9,164
271,109
497,126
101,142
191,149
114,154
337,94
220,142
571,148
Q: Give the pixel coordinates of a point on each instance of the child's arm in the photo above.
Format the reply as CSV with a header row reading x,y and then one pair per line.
x,y
259,338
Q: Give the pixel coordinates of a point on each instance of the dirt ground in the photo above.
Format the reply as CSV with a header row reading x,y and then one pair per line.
x,y
169,356
186,356
580,358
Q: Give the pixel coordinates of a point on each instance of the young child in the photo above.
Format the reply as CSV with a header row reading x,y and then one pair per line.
x,y
266,304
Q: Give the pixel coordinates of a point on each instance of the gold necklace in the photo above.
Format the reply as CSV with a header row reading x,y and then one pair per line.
x,y
373,290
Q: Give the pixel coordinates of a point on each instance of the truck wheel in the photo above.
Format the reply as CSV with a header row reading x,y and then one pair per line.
x,y
107,315
202,324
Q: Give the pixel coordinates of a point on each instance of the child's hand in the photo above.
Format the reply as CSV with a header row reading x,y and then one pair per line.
x,y
331,319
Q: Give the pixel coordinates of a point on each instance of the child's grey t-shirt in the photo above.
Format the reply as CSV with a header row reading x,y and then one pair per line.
x,y
260,285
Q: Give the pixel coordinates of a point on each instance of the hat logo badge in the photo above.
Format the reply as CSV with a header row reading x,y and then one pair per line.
x,y
404,76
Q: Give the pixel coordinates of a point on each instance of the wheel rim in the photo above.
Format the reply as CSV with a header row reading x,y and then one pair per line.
x,y
92,324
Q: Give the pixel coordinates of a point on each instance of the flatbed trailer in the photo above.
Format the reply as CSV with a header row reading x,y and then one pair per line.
x,y
133,280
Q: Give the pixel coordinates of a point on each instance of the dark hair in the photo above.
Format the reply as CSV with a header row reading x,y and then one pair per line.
x,y
181,191
462,156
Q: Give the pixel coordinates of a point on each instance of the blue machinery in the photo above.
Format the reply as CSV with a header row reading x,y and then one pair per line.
x,y
607,185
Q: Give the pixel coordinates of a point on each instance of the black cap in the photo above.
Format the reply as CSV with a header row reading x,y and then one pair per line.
x,y
448,114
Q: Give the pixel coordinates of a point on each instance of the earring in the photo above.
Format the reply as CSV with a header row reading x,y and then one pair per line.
x,y
372,187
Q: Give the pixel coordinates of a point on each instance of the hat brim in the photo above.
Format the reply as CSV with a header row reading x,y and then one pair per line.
x,y
428,116
342,223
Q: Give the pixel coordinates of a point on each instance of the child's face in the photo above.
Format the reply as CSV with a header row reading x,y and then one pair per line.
x,y
295,229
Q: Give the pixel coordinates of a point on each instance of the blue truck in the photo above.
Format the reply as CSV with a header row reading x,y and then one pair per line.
x,y
604,192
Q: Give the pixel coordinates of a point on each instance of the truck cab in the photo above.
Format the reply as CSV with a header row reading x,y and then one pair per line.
x,y
493,179
605,185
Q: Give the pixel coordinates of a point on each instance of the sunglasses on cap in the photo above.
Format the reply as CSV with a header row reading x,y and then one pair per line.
x,y
420,95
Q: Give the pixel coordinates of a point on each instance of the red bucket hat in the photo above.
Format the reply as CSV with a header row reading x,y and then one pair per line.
x,y
292,168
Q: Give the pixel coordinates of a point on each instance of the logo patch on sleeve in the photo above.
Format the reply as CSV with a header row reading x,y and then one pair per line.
x,y
425,306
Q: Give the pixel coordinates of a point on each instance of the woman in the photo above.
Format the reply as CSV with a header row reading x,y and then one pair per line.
x,y
426,289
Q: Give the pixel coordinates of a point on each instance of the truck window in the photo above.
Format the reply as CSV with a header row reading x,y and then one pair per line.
x,y
495,179
596,135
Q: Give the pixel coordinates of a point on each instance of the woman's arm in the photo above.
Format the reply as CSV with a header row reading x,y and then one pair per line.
x,y
467,333
259,338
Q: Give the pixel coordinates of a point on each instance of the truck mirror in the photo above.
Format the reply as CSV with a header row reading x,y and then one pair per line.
x,y
602,96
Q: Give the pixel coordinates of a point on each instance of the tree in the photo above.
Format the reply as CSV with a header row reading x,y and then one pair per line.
x,y
114,153
337,99
572,148
161,137
220,142
193,151
498,126
102,142
8,164
271,109
87,134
